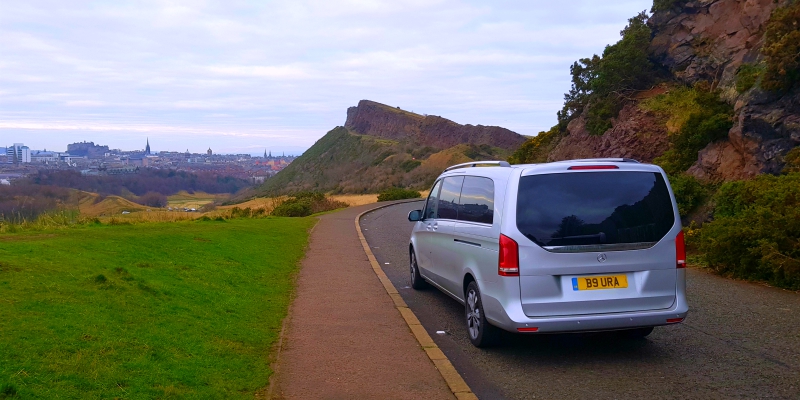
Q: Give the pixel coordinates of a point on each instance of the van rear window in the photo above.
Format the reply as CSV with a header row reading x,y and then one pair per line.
x,y
589,211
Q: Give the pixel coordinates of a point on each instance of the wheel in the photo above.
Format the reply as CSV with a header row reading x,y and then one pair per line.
x,y
638,333
481,333
417,282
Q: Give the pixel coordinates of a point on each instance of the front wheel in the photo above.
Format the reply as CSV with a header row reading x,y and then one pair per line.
x,y
480,332
416,279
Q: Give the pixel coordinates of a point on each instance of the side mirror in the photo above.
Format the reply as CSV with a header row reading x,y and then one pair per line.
x,y
415,216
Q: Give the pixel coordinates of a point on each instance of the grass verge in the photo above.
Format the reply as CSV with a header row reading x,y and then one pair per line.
x,y
159,310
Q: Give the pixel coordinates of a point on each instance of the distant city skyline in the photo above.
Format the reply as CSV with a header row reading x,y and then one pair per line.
x,y
153,149
243,76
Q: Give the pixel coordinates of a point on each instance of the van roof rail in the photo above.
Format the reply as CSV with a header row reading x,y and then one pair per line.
x,y
604,159
476,163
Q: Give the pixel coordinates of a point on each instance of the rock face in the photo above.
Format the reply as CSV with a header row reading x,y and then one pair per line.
x,y
636,134
709,40
382,121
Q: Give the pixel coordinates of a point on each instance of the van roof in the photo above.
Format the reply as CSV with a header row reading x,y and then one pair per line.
x,y
506,168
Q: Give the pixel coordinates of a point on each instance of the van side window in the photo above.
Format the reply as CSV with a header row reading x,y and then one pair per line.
x,y
448,198
477,200
433,202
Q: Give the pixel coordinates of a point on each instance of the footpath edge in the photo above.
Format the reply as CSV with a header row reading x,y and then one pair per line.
x,y
453,379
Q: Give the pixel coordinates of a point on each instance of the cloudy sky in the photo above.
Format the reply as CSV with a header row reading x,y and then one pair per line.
x,y
242,76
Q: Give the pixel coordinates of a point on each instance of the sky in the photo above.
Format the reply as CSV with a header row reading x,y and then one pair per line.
x,y
245,76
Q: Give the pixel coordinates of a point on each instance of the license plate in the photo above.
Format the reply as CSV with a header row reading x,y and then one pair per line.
x,y
600,282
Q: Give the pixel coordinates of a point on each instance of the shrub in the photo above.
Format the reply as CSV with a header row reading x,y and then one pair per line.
x,y
689,193
665,5
306,203
792,160
603,83
703,120
536,149
756,230
782,48
409,165
396,193
153,199
747,76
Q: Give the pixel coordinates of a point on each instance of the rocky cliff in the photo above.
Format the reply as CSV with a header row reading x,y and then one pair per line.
x,y
381,146
379,120
709,42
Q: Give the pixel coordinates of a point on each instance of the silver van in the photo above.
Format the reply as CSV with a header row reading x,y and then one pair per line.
x,y
570,246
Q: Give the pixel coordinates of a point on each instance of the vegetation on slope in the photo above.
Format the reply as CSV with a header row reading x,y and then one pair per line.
x,y
600,84
398,194
782,49
755,233
344,162
184,310
695,117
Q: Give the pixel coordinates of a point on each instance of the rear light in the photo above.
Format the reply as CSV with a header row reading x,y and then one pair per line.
x,y
674,320
584,167
508,263
680,251
527,329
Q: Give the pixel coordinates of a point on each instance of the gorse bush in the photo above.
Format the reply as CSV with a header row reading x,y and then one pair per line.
x,y
690,193
782,49
755,233
536,149
305,204
792,159
747,76
398,194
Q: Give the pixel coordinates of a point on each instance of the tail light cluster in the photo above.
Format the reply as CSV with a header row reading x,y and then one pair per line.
x,y
680,251
508,264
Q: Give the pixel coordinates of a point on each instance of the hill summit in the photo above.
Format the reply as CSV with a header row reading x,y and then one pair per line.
x,y
381,146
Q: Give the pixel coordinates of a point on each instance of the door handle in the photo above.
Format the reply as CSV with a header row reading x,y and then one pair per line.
x,y
435,225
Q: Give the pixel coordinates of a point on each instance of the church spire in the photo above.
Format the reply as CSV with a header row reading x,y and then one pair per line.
x,y
147,149
265,153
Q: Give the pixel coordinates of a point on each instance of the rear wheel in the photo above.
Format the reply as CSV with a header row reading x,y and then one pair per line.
x,y
480,332
416,279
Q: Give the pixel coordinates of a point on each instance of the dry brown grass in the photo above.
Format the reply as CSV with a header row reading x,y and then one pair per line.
x,y
184,199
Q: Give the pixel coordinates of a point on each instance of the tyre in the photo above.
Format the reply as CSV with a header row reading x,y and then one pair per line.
x,y
480,332
417,282
638,333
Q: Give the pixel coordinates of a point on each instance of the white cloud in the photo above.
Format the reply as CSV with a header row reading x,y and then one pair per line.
x,y
236,72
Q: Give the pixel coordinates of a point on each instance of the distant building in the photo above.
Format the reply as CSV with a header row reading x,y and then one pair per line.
x,y
44,157
147,148
18,153
209,152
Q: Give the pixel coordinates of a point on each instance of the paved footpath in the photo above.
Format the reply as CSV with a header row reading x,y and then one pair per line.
x,y
344,338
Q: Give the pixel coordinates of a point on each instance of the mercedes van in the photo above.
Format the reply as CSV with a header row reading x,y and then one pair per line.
x,y
570,246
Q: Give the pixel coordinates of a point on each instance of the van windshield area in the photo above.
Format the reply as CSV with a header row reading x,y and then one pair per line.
x,y
593,211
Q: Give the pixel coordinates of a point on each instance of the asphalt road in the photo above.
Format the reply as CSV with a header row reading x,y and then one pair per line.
x,y
740,340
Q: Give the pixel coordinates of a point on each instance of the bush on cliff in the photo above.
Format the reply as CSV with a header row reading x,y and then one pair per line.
x,y
396,193
696,117
756,230
690,193
782,49
603,83
536,149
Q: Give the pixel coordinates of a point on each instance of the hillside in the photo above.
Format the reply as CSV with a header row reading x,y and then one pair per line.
x,y
707,88
381,146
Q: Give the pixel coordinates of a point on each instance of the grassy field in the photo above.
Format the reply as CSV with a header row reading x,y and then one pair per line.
x,y
161,310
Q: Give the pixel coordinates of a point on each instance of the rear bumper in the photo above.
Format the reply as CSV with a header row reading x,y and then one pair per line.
x,y
506,313
597,322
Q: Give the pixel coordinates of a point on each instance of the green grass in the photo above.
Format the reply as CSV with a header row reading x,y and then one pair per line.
x,y
161,310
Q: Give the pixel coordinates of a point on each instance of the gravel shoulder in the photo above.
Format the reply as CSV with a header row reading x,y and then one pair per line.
x,y
740,340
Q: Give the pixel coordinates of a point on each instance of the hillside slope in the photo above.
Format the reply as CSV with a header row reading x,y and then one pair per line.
x,y
382,146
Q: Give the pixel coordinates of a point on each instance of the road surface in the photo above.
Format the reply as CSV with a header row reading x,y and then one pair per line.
x,y
740,340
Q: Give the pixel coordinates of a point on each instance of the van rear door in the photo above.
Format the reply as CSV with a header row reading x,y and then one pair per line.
x,y
596,241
